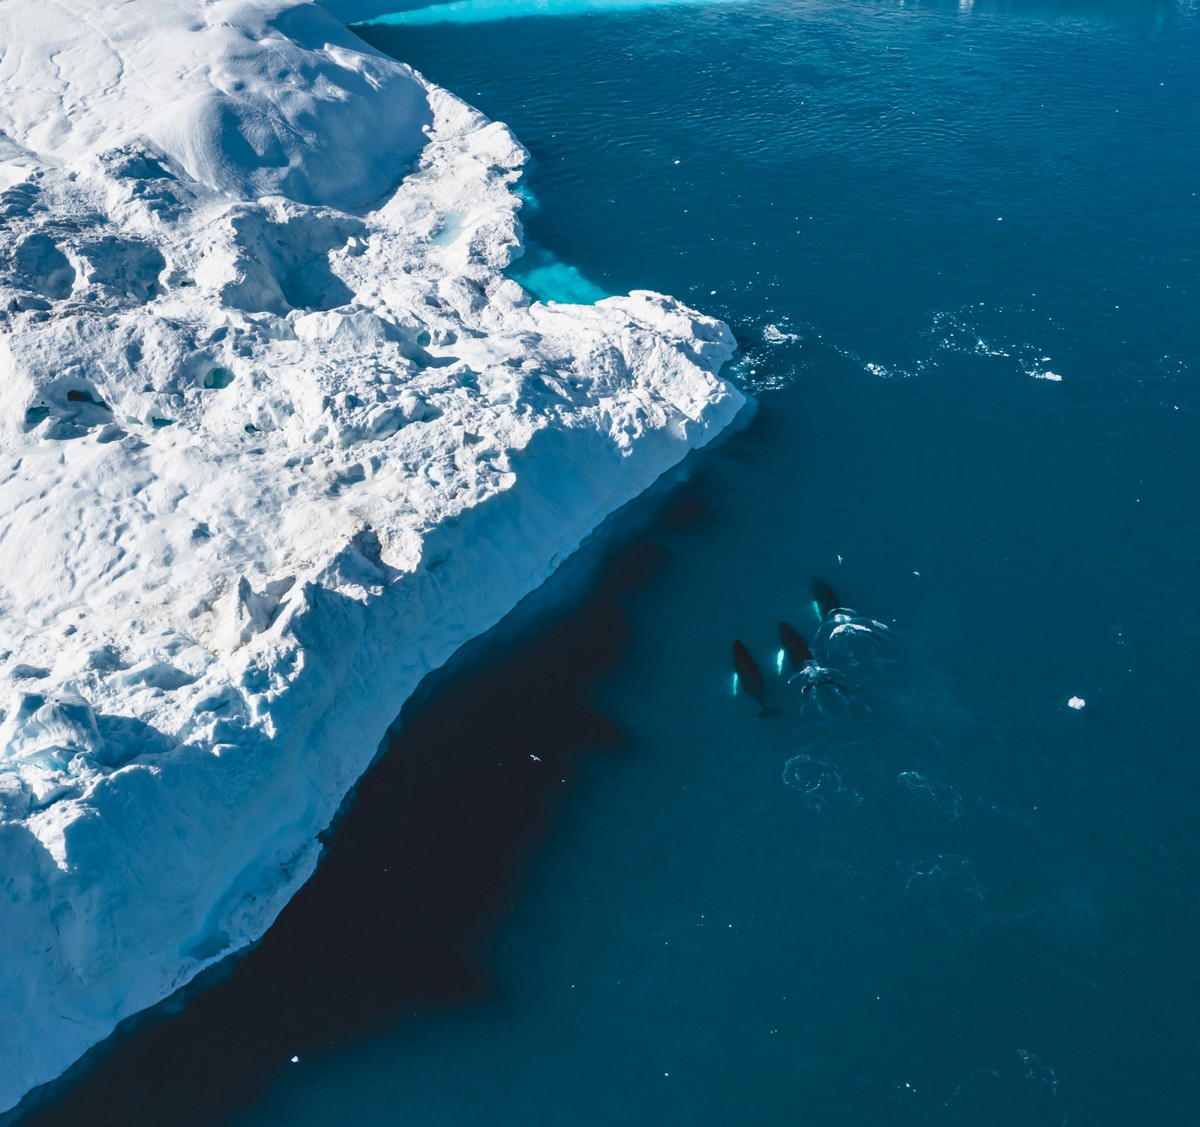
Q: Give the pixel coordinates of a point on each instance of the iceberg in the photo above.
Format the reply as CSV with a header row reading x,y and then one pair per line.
x,y
277,436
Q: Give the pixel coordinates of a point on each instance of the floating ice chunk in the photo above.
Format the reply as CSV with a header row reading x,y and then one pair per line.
x,y
773,334
1076,703
1040,372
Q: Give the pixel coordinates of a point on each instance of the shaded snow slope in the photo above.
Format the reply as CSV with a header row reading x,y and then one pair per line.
x,y
276,437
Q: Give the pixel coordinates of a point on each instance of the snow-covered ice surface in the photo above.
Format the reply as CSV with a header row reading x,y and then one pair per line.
x,y
276,437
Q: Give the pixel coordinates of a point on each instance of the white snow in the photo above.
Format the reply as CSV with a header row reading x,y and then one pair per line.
x,y
276,437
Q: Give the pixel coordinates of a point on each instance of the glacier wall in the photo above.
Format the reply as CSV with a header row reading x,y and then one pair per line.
x,y
277,436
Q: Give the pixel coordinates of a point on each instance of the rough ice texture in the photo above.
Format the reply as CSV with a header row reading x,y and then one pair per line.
x,y
276,437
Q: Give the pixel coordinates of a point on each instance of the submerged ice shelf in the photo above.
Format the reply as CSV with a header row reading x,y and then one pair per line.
x,y
278,437
484,11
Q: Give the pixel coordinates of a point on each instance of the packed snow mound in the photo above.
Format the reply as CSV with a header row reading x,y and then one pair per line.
x,y
249,97
277,436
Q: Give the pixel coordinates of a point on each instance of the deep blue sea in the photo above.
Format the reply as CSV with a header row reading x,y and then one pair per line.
x,y
588,885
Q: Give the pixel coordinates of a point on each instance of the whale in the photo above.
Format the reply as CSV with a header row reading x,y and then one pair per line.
x,y
825,600
795,649
748,677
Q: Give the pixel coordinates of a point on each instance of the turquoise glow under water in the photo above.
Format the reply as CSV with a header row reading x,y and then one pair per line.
x,y
589,885
483,11
550,280
544,275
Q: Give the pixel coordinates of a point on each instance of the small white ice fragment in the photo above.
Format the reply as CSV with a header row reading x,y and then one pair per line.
x,y
295,1060
1076,703
773,334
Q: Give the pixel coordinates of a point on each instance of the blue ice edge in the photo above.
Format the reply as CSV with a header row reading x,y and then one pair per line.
x,y
480,11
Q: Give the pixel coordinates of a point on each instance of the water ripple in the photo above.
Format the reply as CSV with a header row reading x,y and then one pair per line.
x,y
817,781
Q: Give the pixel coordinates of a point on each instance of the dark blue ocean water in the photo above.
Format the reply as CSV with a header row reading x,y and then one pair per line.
x,y
588,885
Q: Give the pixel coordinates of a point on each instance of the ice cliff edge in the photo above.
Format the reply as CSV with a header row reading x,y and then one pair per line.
x,y
276,437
